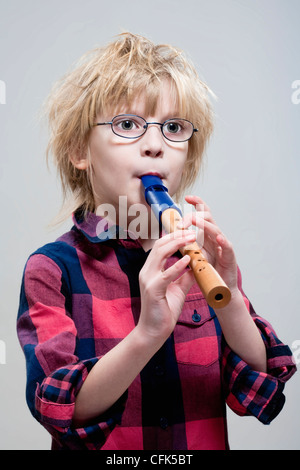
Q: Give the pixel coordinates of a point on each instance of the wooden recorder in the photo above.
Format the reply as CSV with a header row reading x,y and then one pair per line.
x,y
212,286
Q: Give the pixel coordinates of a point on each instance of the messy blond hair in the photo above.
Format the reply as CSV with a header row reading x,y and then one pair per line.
x,y
106,78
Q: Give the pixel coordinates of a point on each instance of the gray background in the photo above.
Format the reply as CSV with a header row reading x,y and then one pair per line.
x,y
248,51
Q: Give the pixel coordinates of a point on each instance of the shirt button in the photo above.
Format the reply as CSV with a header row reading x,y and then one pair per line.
x,y
196,317
159,371
163,422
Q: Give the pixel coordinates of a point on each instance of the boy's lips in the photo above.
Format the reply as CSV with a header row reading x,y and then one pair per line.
x,y
153,173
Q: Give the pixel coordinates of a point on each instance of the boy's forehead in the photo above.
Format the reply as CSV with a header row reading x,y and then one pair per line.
x,y
142,103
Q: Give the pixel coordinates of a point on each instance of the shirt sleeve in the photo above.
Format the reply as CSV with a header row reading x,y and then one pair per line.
x,y
249,392
55,374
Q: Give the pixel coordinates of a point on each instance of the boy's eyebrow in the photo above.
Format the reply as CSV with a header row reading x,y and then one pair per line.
x,y
133,111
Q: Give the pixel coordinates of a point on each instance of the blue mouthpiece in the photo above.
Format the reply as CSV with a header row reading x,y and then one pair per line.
x,y
157,196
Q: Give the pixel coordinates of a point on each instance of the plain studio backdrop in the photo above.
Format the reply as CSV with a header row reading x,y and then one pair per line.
x,y
248,52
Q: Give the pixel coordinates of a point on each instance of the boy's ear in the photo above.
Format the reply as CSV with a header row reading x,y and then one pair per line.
x,y
81,163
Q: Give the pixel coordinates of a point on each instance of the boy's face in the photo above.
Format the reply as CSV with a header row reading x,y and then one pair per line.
x,y
118,163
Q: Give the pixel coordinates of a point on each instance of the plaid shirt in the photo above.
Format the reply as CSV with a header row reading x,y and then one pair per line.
x,y
79,298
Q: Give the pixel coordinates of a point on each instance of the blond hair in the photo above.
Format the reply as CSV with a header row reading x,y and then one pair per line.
x,y
106,78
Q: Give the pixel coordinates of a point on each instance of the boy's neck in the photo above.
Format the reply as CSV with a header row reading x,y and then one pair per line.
x,y
146,243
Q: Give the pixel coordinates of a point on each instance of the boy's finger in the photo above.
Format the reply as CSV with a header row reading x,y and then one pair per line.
x,y
168,245
226,254
174,271
197,202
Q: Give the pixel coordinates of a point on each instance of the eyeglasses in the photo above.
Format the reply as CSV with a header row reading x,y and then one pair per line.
x,y
131,126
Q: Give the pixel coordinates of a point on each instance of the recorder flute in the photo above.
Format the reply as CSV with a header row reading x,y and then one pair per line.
x,y
212,286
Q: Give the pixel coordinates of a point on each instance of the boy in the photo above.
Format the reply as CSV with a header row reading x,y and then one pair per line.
x,y
122,350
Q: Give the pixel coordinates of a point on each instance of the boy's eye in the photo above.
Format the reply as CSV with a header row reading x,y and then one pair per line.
x,y
173,127
127,125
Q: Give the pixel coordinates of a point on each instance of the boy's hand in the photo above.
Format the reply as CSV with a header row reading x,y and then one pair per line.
x,y
163,291
216,247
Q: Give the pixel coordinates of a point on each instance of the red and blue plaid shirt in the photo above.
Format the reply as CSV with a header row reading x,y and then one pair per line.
x,y
79,298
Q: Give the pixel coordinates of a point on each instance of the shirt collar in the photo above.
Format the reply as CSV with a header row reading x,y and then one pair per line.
x,y
97,229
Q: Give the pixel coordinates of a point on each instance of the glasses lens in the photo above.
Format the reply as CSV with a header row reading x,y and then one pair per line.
x,y
128,126
178,130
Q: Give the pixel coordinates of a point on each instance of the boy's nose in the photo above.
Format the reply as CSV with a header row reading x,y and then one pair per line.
x,y
152,142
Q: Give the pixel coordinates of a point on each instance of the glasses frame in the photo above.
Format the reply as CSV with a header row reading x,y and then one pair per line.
x,y
146,125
